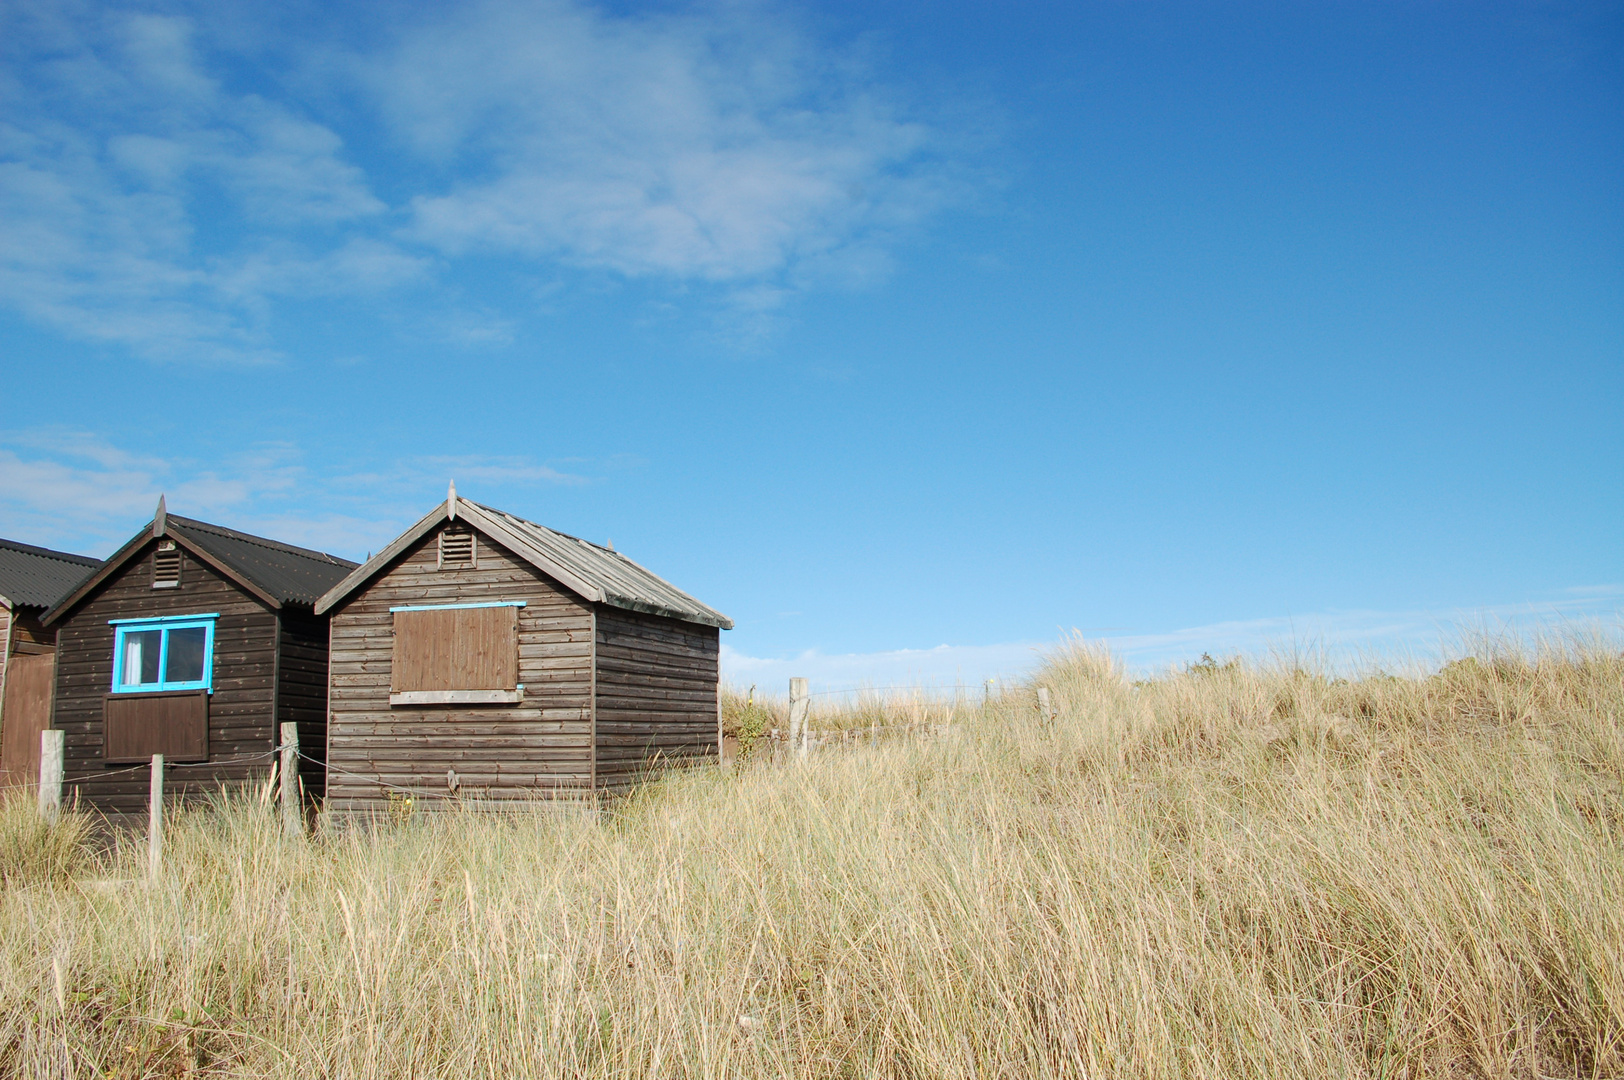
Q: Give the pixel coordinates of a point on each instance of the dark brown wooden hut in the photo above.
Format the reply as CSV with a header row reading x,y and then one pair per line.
x,y
485,657
32,579
192,641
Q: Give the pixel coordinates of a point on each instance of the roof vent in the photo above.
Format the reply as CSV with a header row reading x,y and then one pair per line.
x,y
457,547
166,565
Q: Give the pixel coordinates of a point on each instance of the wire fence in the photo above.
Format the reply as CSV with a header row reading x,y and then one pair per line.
x,y
989,687
779,742
375,780
917,691
172,766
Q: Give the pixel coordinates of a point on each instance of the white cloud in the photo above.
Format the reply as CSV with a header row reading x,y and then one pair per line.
x,y
494,470
73,490
720,147
361,265
148,201
114,134
54,487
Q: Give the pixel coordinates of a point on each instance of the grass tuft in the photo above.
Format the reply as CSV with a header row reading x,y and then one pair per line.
x,y
33,852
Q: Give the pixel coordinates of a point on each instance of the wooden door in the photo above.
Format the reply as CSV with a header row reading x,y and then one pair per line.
x,y
30,686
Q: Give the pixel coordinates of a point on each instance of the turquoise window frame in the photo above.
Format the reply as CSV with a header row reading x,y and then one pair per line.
x,y
124,627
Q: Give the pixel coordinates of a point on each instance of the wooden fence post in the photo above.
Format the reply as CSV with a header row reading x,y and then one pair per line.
x,y
799,703
292,805
155,820
51,752
1043,705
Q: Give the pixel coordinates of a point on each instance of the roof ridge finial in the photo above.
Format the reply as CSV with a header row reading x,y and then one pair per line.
x,y
160,518
451,501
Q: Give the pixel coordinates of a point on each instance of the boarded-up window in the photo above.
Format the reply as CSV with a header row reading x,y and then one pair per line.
x,y
456,654
136,726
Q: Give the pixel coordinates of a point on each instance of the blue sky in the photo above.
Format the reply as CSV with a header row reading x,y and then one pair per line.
x,y
912,336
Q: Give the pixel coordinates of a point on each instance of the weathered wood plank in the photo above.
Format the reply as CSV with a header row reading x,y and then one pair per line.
x,y
656,695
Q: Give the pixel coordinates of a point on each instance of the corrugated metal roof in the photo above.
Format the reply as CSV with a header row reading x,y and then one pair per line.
x,y
624,584
38,577
291,574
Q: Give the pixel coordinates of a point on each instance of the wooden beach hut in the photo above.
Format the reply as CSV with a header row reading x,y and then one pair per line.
x,y
484,657
196,642
32,579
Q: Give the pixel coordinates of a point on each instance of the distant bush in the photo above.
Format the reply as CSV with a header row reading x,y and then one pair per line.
x,y
747,718
1208,666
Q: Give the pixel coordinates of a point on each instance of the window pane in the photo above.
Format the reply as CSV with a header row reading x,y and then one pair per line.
x,y
185,660
141,657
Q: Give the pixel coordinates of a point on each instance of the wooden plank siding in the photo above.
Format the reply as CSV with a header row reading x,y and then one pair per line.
x,y
656,694
301,693
26,630
5,658
538,747
241,709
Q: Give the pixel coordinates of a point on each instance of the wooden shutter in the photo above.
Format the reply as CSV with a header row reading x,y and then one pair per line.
x,y
136,726
452,655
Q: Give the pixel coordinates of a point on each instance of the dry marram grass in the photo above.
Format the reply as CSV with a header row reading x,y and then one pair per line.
x,y
1222,872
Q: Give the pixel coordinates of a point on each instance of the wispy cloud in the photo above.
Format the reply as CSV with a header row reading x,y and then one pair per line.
x,y
719,147
149,202
76,491
115,132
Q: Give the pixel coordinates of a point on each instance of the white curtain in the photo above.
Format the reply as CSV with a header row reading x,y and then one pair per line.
x,y
132,661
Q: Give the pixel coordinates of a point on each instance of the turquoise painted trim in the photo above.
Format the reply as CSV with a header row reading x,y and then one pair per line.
x,y
450,607
164,619
164,623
